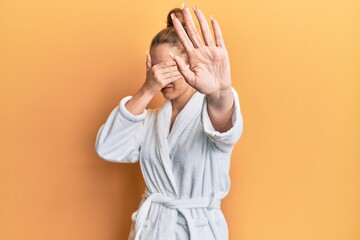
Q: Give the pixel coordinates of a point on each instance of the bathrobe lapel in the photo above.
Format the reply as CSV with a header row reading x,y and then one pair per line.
x,y
162,147
185,117
166,141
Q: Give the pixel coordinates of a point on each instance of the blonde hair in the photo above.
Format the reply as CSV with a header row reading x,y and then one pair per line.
x,y
168,35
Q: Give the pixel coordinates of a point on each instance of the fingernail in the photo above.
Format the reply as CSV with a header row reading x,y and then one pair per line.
x,y
173,16
171,55
194,8
211,17
183,5
146,52
188,66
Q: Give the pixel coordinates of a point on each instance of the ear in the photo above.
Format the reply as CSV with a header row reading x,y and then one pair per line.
x,y
148,61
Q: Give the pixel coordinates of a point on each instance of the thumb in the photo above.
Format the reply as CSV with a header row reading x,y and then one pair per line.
x,y
183,68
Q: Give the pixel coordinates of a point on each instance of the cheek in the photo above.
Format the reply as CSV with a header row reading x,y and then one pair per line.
x,y
180,84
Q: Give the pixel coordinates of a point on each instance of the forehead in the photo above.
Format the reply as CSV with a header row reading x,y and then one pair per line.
x,y
160,53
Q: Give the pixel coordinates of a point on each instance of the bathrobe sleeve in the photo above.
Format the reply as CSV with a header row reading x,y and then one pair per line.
x,y
120,138
226,140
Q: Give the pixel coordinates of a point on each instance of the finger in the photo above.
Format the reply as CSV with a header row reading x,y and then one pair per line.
x,y
164,74
184,69
184,39
205,29
217,33
172,74
172,79
148,61
190,27
164,64
167,69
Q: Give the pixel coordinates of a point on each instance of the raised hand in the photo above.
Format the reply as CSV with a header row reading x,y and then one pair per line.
x,y
209,70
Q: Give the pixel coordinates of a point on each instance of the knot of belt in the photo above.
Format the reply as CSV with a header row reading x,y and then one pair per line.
x,y
141,214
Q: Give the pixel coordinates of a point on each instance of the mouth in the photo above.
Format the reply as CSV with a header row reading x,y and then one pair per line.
x,y
167,87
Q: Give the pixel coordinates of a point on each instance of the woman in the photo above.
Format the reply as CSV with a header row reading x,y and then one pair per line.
x,y
184,147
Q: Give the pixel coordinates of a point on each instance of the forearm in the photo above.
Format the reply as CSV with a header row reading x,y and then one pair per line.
x,y
220,109
138,103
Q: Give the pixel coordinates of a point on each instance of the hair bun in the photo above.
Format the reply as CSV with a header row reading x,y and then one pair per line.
x,y
179,15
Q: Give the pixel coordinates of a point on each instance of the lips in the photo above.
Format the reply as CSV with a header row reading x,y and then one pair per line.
x,y
167,87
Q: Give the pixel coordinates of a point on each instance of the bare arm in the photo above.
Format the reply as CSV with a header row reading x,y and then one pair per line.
x,y
220,109
138,103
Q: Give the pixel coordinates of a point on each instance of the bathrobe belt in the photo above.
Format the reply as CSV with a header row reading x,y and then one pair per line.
x,y
141,214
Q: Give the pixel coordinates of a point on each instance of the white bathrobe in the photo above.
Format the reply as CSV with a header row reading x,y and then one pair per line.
x,y
186,171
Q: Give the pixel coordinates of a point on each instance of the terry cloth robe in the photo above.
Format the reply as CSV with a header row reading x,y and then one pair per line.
x,y
186,171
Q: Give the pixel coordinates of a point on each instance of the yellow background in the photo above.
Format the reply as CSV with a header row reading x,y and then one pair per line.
x,y
64,65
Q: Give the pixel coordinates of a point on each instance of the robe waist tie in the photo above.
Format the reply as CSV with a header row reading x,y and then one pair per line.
x,y
141,214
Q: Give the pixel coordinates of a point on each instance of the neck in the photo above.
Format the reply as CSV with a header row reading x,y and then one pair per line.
x,y
179,103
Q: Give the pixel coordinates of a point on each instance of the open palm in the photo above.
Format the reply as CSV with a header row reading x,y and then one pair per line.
x,y
209,66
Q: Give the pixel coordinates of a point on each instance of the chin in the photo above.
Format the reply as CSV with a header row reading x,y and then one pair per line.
x,y
169,96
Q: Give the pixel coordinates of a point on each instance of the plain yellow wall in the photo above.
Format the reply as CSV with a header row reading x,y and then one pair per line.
x,y
64,65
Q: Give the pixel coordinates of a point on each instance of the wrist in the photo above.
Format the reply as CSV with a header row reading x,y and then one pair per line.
x,y
146,92
219,95
221,101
